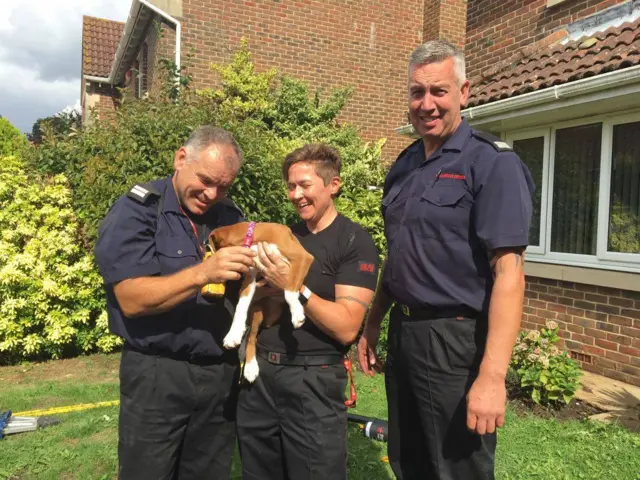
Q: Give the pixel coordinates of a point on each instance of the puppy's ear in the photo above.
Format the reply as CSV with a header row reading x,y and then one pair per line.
x,y
215,238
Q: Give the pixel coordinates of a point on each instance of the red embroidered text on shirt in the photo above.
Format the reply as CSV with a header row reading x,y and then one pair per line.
x,y
455,176
367,267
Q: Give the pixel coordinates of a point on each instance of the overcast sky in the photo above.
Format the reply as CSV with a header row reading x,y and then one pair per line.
x,y
40,54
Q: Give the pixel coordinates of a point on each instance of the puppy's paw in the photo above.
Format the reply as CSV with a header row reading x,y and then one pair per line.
x,y
295,307
233,338
251,370
297,316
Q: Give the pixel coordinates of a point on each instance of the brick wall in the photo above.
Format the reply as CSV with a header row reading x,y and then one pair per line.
x,y
599,326
103,103
161,43
446,20
499,28
327,43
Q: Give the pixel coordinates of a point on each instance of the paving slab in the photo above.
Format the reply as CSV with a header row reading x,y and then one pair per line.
x,y
608,394
620,401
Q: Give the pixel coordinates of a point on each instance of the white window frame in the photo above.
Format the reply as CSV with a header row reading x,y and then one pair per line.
x,y
629,262
525,135
605,191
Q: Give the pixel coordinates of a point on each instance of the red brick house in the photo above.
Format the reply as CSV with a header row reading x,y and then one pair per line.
x,y
557,79
100,40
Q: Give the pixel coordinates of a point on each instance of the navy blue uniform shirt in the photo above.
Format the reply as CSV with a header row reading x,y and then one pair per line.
x,y
444,215
155,237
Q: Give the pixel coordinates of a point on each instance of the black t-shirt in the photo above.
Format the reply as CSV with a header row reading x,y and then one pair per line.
x,y
344,254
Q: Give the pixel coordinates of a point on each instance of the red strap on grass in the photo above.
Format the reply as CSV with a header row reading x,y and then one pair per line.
x,y
351,402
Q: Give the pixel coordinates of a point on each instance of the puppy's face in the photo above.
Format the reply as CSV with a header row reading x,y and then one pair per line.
x,y
231,235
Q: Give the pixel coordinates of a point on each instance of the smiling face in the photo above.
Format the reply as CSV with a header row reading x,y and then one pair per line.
x,y
435,100
308,193
203,181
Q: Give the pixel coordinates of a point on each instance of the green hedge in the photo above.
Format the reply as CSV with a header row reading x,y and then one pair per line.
x,y
51,296
12,141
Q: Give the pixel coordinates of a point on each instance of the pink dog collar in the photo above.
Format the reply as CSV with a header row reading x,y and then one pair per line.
x,y
248,238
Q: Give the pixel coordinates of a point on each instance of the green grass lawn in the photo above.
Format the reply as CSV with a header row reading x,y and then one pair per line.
x,y
83,445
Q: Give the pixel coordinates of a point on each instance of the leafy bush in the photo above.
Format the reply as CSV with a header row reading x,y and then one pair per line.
x,y
51,296
62,123
12,141
547,375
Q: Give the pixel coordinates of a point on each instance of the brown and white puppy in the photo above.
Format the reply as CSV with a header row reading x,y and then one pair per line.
x,y
268,309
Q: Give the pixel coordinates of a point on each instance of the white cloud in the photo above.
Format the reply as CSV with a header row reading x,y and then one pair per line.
x,y
40,54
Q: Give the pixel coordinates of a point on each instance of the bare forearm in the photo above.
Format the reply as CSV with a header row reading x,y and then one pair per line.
x,y
380,306
505,314
333,319
152,295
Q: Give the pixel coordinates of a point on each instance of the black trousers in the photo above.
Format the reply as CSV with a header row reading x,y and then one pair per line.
x,y
431,366
177,419
292,423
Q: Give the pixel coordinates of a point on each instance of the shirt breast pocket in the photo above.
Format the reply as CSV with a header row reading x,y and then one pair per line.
x,y
445,212
393,210
175,254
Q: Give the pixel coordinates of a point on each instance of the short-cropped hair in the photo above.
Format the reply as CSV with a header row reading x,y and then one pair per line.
x,y
435,51
207,135
325,159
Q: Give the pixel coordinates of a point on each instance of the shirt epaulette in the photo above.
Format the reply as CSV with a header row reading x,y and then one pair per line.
x,y
492,140
142,192
227,202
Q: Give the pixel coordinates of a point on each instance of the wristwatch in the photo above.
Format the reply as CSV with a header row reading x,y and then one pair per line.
x,y
305,294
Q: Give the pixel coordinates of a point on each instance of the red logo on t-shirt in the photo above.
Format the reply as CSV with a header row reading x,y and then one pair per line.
x,y
367,267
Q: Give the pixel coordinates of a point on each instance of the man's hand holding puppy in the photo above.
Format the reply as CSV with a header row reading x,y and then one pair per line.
x,y
152,295
228,263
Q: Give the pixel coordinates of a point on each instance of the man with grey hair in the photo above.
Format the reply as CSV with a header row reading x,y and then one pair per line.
x,y
457,208
178,385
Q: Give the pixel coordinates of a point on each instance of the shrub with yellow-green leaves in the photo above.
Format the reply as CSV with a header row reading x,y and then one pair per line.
x,y
51,296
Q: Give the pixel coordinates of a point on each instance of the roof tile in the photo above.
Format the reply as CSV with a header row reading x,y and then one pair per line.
x,y
100,38
606,51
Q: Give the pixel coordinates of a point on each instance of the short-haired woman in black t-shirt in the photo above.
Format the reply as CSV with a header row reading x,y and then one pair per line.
x,y
292,420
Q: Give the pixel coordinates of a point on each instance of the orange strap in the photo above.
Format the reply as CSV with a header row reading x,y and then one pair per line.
x,y
351,402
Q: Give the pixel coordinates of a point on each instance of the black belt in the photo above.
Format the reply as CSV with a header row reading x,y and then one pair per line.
x,y
201,360
297,360
432,313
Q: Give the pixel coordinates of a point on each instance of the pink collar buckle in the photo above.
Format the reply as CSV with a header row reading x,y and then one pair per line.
x,y
248,238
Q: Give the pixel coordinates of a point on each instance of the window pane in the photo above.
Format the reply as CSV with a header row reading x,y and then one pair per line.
x,y
575,189
531,151
624,211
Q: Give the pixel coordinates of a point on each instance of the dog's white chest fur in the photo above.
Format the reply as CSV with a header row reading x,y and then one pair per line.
x,y
238,327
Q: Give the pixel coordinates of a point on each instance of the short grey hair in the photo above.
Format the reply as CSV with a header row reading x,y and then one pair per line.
x,y
207,135
435,51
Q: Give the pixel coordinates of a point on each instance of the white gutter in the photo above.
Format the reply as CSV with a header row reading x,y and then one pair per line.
x,y
126,37
93,78
585,86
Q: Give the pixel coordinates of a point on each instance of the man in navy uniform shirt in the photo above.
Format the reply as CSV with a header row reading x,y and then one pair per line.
x,y
457,208
177,384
